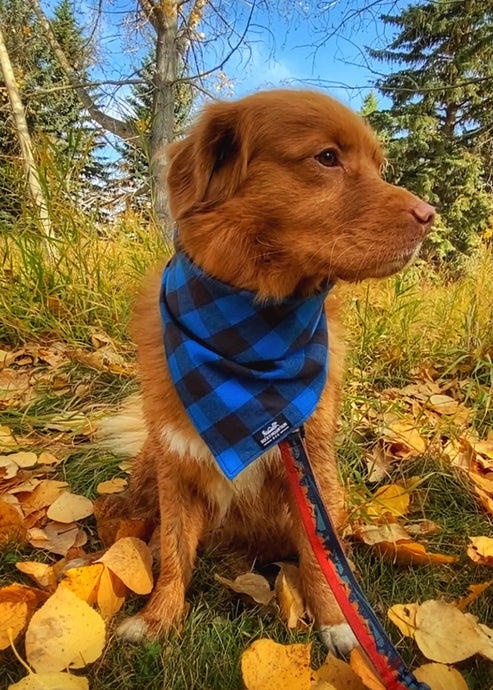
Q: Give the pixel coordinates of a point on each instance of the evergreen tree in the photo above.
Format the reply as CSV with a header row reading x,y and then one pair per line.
x,y
439,128
54,114
135,158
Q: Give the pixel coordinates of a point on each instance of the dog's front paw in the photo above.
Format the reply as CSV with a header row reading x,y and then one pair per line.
x,y
134,629
339,639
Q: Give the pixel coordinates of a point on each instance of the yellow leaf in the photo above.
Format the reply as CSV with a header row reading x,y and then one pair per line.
x,y
11,526
45,493
24,459
17,604
251,584
412,553
83,581
48,459
391,498
13,617
363,668
288,592
404,617
443,404
130,560
7,441
475,592
42,573
111,594
112,486
339,674
65,632
70,508
440,677
266,665
405,434
480,550
445,634
51,681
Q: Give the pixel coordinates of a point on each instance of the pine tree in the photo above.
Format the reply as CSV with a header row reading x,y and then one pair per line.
x,y
54,114
135,159
439,128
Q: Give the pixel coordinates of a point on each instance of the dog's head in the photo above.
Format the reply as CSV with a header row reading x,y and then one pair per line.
x,y
281,191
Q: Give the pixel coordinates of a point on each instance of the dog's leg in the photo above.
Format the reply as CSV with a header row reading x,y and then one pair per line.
x,y
183,517
334,630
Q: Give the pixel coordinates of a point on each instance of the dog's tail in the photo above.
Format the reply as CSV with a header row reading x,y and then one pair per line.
x,y
124,432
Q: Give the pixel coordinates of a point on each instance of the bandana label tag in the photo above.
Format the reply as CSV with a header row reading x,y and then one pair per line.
x,y
269,434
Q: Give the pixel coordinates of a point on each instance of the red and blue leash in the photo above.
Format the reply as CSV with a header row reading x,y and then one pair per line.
x,y
330,556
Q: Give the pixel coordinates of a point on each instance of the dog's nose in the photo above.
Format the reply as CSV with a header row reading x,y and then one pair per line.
x,y
424,213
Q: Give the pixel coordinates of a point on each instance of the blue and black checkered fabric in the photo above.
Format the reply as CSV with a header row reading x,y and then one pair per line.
x,y
246,372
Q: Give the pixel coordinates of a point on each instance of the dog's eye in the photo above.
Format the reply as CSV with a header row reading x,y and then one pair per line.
x,y
327,158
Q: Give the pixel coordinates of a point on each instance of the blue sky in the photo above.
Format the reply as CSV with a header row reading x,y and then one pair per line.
x,y
279,53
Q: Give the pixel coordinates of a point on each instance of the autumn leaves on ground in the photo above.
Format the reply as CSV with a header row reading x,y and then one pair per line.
x,y
415,447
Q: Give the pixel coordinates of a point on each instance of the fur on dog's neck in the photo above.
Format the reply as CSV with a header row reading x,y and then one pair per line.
x,y
253,259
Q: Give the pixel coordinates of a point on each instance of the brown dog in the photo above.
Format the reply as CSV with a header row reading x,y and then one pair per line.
x,y
276,193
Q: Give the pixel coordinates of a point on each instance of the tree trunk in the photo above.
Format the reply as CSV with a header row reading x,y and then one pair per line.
x,y
163,116
25,143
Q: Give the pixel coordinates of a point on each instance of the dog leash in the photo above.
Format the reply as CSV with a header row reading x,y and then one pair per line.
x,y
335,567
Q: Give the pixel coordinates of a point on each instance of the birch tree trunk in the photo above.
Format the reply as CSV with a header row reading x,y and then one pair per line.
x,y
23,136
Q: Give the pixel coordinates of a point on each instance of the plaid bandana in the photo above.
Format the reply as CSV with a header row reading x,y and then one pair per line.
x,y
246,372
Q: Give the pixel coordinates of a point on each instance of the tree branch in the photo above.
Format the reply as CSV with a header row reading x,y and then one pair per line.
x,y
111,124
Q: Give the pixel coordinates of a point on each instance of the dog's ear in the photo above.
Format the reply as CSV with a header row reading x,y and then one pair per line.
x,y
208,166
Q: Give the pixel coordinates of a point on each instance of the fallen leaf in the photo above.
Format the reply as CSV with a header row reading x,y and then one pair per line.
x,y
65,632
443,404
475,592
84,581
288,592
362,667
48,459
7,441
440,677
42,573
424,528
45,493
131,561
70,507
112,486
405,435
404,617
412,553
266,665
391,498
8,467
373,534
111,594
480,550
17,605
339,674
24,459
56,537
51,681
11,526
252,584
445,634
378,463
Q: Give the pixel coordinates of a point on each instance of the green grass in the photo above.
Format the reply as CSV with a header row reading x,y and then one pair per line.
x,y
399,330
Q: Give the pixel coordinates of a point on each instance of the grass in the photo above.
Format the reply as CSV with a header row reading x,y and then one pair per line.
x,y
416,325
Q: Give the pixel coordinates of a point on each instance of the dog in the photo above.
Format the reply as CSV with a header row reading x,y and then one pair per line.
x,y
278,195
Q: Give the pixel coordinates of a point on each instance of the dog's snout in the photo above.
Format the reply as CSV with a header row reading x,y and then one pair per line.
x,y
424,214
